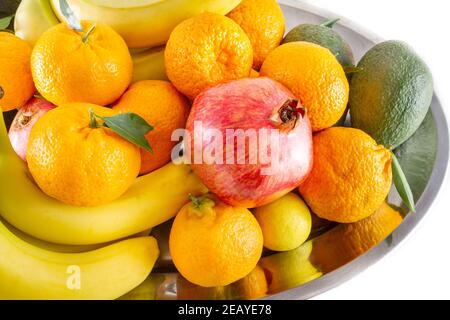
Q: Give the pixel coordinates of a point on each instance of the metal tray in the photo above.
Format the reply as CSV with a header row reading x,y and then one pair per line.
x,y
424,158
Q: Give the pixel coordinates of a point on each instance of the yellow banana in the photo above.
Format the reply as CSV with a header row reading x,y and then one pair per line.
x,y
152,200
143,23
48,245
148,64
28,272
62,248
32,18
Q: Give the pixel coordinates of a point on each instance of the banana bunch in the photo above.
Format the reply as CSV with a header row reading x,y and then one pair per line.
x,y
29,272
144,24
152,200
148,64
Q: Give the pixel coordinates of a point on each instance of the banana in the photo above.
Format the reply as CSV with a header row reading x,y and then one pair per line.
x,y
55,247
48,245
148,64
152,200
33,18
143,23
28,272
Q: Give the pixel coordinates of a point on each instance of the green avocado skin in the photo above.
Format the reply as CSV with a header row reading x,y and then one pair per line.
x,y
391,93
325,37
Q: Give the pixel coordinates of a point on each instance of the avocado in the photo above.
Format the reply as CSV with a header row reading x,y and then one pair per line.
x,y
324,36
391,93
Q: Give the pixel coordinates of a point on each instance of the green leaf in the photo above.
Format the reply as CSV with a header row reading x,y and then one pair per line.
x,y
417,155
5,22
72,20
131,127
402,185
330,23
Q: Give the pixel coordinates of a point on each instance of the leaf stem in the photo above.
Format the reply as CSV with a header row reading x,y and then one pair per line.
x,y
88,33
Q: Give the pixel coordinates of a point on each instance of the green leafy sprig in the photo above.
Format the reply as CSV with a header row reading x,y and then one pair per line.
x,y
129,126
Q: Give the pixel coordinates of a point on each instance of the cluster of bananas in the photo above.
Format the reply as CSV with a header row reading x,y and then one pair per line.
x,y
145,25
55,251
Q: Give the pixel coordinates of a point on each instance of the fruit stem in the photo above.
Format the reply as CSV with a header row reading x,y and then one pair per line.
x,y
88,33
201,206
2,92
330,23
93,122
196,201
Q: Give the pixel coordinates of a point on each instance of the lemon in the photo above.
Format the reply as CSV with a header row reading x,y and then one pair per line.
x,y
286,223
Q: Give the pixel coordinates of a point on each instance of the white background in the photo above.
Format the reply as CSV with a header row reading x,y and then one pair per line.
x,y
419,268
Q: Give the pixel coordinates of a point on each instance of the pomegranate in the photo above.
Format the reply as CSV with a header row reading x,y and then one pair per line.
x,y
24,121
249,141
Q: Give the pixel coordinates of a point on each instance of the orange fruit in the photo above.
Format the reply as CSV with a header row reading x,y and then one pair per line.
x,y
16,83
351,175
263,22
188,291
253,286
162,106
346,242
68,67
213,244
314,75
206,50
77,164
